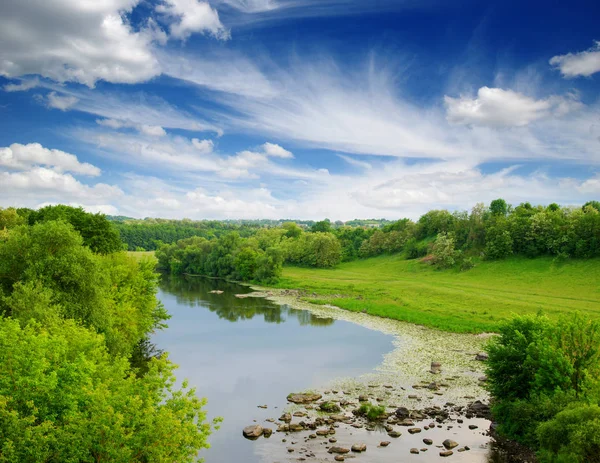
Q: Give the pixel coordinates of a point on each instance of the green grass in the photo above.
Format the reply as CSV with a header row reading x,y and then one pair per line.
x,y
472,301
139,255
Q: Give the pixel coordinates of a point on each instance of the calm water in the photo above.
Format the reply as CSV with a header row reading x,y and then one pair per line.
x,y
241,353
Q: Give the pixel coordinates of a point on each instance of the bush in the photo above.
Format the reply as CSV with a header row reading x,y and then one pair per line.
x,y
572,436
415,249
443,252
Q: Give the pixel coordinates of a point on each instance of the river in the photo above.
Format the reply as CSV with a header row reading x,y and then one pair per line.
x,y
240,353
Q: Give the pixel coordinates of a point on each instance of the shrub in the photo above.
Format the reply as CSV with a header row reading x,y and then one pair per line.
x,y
444,254
572,436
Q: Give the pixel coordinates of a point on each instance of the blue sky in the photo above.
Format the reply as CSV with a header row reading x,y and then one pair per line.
x,y
297,108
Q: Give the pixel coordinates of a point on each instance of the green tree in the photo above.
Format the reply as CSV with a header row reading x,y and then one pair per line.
x,y
64,399
443,252
498,207
323,226
95,229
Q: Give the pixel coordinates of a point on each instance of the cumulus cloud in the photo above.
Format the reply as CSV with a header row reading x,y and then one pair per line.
x,y
62,102
83,43
23,157
191,16
584,63
22,86
496,107
276,151
32,174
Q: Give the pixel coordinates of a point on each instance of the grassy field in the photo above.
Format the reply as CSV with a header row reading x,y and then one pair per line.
x,y
472,301
139,255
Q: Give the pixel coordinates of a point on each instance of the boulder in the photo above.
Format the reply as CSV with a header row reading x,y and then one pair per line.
x,y
267,432
402,412
253,431
446,453
427,441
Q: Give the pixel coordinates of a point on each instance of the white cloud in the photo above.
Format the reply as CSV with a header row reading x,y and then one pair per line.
x,y
276,151
23,157
22,86
253,6
32,174
584,63
62,102
496,107
204,146
70,40
191,16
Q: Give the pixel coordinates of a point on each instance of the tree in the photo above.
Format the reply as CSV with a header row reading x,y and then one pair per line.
x,y
498,207
292,230
324,226
443,252
95,229
63,398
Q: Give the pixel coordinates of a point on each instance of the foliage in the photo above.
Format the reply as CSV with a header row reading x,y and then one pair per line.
x,y
47,265
95,229
63,398
572,436
537,369
372,412
443,252
498,207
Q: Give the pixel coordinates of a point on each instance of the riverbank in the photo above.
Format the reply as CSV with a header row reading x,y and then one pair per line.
x,y
429,388
473,301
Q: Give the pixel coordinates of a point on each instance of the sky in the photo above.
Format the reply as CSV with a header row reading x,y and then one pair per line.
x,y
298,108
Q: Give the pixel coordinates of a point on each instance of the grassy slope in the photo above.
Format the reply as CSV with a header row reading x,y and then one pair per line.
x,y
472,301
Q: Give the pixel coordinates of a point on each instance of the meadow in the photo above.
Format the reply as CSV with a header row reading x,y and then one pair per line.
x,y
475,301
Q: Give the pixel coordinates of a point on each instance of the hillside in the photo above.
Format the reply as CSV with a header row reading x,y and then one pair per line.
x,y
472,301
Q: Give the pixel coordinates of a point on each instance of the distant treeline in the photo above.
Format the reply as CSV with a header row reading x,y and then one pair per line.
x,y
449,238
148,234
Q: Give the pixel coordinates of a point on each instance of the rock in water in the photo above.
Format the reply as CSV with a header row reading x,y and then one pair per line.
x,y
482,356
359,448
253,431
402,412
267,432
339,450
446,453
449,444
436,367
303,398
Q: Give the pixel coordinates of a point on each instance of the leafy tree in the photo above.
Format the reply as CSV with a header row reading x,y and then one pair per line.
x,y
292,230
499,243
64,399
443,252
324,226
498,207
95,229
594,204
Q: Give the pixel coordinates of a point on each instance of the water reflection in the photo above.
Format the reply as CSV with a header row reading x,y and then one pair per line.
x,y
196,292
240,353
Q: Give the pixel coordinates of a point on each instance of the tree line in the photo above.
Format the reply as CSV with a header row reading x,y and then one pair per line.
x,y
442,238
77,383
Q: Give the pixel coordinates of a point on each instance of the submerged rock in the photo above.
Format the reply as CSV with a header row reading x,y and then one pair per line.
x,y
339,450
482,356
